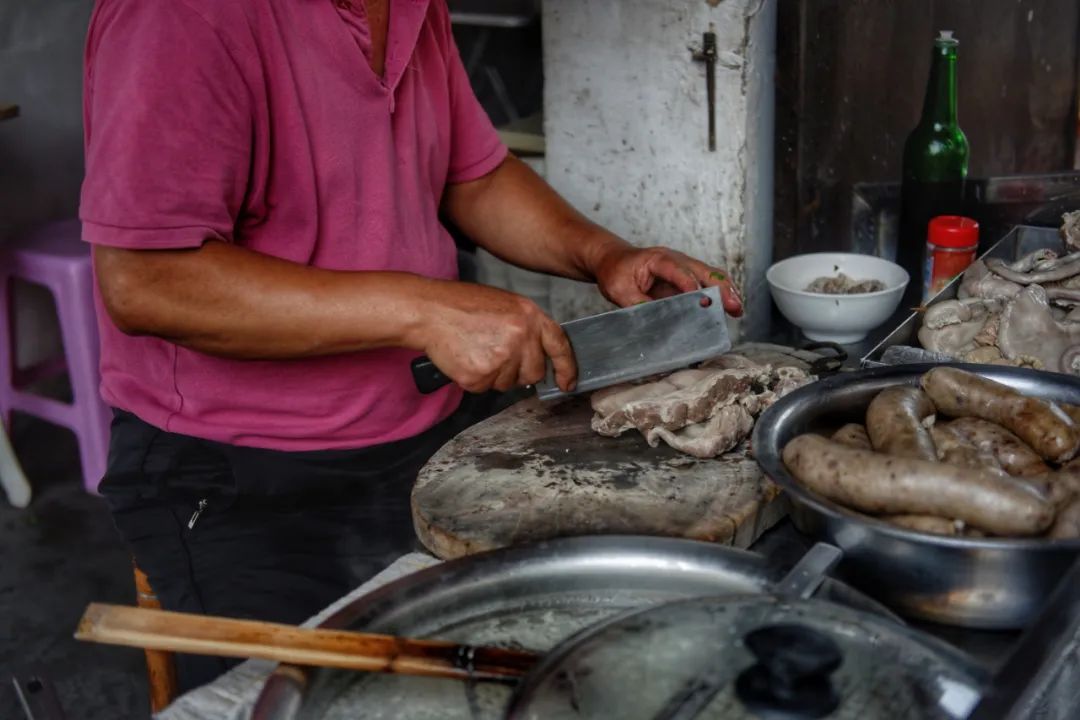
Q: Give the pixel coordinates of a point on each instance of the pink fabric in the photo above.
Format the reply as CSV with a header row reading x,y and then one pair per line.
x,y
260,122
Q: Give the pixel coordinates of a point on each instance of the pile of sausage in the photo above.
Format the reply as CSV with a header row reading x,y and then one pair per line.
x,y
960,455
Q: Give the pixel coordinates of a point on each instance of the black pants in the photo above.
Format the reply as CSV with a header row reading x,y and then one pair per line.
x,y
262,534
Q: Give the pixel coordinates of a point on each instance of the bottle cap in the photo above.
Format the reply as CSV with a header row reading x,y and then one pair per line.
x,y
945,38
953,231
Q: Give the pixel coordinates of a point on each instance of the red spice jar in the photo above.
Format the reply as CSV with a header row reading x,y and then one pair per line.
x,y
951,244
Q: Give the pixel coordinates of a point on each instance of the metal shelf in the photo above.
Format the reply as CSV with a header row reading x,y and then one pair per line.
x,y
504,14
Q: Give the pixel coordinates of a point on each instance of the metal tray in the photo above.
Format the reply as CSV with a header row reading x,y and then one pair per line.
x,y
535,597
981,583
1019,241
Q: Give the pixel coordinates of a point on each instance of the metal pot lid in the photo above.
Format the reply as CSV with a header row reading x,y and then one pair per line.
x,y
749,657
530,597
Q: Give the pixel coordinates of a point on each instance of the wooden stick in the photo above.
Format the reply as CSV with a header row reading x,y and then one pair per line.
x,y
160,665
226,637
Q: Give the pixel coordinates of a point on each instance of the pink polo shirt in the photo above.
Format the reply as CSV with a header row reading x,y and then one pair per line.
x,y
261,123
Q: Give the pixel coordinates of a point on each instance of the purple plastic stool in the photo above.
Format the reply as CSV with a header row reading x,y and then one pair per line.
x,y
54,256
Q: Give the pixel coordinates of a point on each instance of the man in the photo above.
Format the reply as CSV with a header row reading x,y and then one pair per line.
x,y
264,186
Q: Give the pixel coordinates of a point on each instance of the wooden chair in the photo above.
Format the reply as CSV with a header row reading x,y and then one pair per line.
x,y
160,665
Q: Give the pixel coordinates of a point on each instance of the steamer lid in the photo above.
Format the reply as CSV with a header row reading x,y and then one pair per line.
x,y
749,657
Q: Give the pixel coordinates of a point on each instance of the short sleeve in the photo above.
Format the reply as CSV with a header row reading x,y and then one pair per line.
x,y
475,146
168,128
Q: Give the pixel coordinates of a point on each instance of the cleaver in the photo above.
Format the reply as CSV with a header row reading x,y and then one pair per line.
x,y
622,345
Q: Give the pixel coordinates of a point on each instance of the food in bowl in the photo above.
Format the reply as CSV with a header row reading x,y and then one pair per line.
x,y
840,318
960,455
841,284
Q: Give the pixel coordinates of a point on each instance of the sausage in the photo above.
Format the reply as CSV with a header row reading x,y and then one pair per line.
x,y
1067,524
952,450
889,485
1042,425
1058,485
894,422
1015,456
1073,411
926,524
1069,475
955,449
853,435
1061,485
1053,486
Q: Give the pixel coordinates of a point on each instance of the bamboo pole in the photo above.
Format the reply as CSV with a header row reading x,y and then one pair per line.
x,y
226,637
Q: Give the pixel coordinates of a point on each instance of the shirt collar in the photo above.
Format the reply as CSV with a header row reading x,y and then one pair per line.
x,y
406,19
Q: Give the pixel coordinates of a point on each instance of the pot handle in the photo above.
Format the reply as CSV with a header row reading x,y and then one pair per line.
x,y
808,574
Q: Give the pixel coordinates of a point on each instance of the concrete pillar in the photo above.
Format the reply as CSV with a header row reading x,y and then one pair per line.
x,y
625,117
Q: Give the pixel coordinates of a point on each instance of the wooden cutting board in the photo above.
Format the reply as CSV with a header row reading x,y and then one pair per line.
x,y
538,471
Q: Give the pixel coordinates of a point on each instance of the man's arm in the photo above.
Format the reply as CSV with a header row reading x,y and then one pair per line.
x,y
227,301
516,215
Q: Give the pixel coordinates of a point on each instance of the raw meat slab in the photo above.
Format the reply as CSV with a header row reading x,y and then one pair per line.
x,y
538,471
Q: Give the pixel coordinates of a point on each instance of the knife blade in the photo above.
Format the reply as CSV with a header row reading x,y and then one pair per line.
x,y
628,344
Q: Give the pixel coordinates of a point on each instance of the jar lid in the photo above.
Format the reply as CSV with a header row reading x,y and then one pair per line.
x,y
953,231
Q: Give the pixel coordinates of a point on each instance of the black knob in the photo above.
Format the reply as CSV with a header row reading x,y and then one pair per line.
x,y
790,681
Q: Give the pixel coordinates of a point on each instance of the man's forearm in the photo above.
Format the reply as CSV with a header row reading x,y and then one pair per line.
x,y
227,301
515,215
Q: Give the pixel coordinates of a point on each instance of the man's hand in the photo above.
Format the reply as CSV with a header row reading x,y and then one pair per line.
x,y
627,275
484,338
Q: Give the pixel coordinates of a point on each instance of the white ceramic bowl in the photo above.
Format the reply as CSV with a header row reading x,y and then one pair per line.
x,y
841,319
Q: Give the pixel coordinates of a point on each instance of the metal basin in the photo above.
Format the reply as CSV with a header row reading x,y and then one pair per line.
x,y
973,582
530,597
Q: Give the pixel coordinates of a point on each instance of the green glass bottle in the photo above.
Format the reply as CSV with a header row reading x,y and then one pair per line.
x,y
935,164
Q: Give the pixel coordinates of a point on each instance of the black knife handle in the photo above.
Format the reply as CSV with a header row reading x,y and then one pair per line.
x,y
427,377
